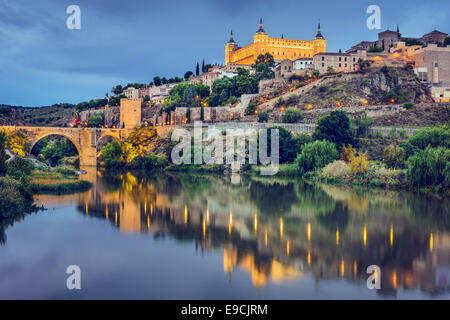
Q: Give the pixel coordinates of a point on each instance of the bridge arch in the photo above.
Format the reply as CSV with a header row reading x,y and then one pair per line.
x,y
67,136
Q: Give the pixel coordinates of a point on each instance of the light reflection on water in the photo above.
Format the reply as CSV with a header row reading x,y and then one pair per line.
x,y
279,231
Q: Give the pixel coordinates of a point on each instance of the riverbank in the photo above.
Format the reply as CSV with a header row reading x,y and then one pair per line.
x,y
58,181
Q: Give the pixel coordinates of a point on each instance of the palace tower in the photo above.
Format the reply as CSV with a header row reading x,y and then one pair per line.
x,y
279,48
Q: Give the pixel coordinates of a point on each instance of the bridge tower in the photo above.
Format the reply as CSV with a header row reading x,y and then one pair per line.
x,y
130,113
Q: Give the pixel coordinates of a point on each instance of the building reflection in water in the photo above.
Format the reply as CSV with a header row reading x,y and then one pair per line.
x,y
260,228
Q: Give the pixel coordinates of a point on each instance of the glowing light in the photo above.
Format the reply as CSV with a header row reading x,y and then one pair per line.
x,y
151,209
87,208
145,208
337,236
342,268
281,227
287,248
106,212
391,235
265,238
355,267
185,214
204,228
230,223
431,242
365,235
255,222
148,222
308,231
309,258
309,107
207,216
394,279
115,218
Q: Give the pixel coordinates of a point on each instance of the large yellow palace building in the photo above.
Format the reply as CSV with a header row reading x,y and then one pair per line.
x,y
279,48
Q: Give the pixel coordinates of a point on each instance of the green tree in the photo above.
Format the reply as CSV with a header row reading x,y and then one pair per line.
x,y
337,128
197,70
111,155
433,137
394,156
96,120
364,123
292,115
157,81
429,167
263,117
263,66
188,74
316,155
3,167
117,89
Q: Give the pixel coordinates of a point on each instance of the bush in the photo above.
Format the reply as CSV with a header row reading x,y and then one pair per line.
x,y
263,117
335,127
292,115
348,153
19,167
338,169
15,197
316,155
364,124
148,162
403,133
359,164
428,167
394,156
408,105
393,133
251,107
378,134
433,137
3,155
409,149
96,121
111,155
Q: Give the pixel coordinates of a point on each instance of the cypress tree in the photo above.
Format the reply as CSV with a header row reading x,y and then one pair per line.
x,y
197,70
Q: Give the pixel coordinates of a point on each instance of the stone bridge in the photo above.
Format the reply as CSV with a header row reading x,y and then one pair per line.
x,y
86,140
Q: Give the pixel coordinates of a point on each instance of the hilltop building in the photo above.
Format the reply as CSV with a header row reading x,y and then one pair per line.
x,y
279,48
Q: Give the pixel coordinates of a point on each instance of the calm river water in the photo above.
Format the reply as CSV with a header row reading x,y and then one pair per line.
x,y
179,236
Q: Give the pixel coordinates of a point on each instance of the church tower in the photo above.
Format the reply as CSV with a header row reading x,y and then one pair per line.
x,y
229,49
319,42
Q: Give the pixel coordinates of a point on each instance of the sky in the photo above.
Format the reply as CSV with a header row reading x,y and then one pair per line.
x,y
42,62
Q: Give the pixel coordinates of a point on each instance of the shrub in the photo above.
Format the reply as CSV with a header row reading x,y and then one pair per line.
x,y
301,140
263,117
111,155
18,143
251,107
428,167
316,155
15,197
338,169
408,105
433,137
96,120
364,124
386,177
335,127
148,162
292,99
19,167
359,164
393,133
378,134
402,133
394,156
292,115
348,153
409,149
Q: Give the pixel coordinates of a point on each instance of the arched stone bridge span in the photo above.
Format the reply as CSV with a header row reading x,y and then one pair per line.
x,y
85,140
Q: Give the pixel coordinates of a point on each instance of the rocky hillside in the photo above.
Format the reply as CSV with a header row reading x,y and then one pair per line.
x,y
376,86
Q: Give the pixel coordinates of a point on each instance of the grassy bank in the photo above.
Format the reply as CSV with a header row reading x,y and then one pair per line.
x,y
57,182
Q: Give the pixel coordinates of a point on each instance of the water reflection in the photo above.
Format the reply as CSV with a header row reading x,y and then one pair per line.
x,y
281,230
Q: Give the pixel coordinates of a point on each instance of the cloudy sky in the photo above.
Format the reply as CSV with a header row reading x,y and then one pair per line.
x,y
121,41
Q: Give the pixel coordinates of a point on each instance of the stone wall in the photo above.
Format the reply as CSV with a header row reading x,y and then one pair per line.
x,y
270,85
130,113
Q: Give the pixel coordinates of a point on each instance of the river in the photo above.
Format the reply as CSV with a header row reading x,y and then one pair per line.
x,y
190,236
